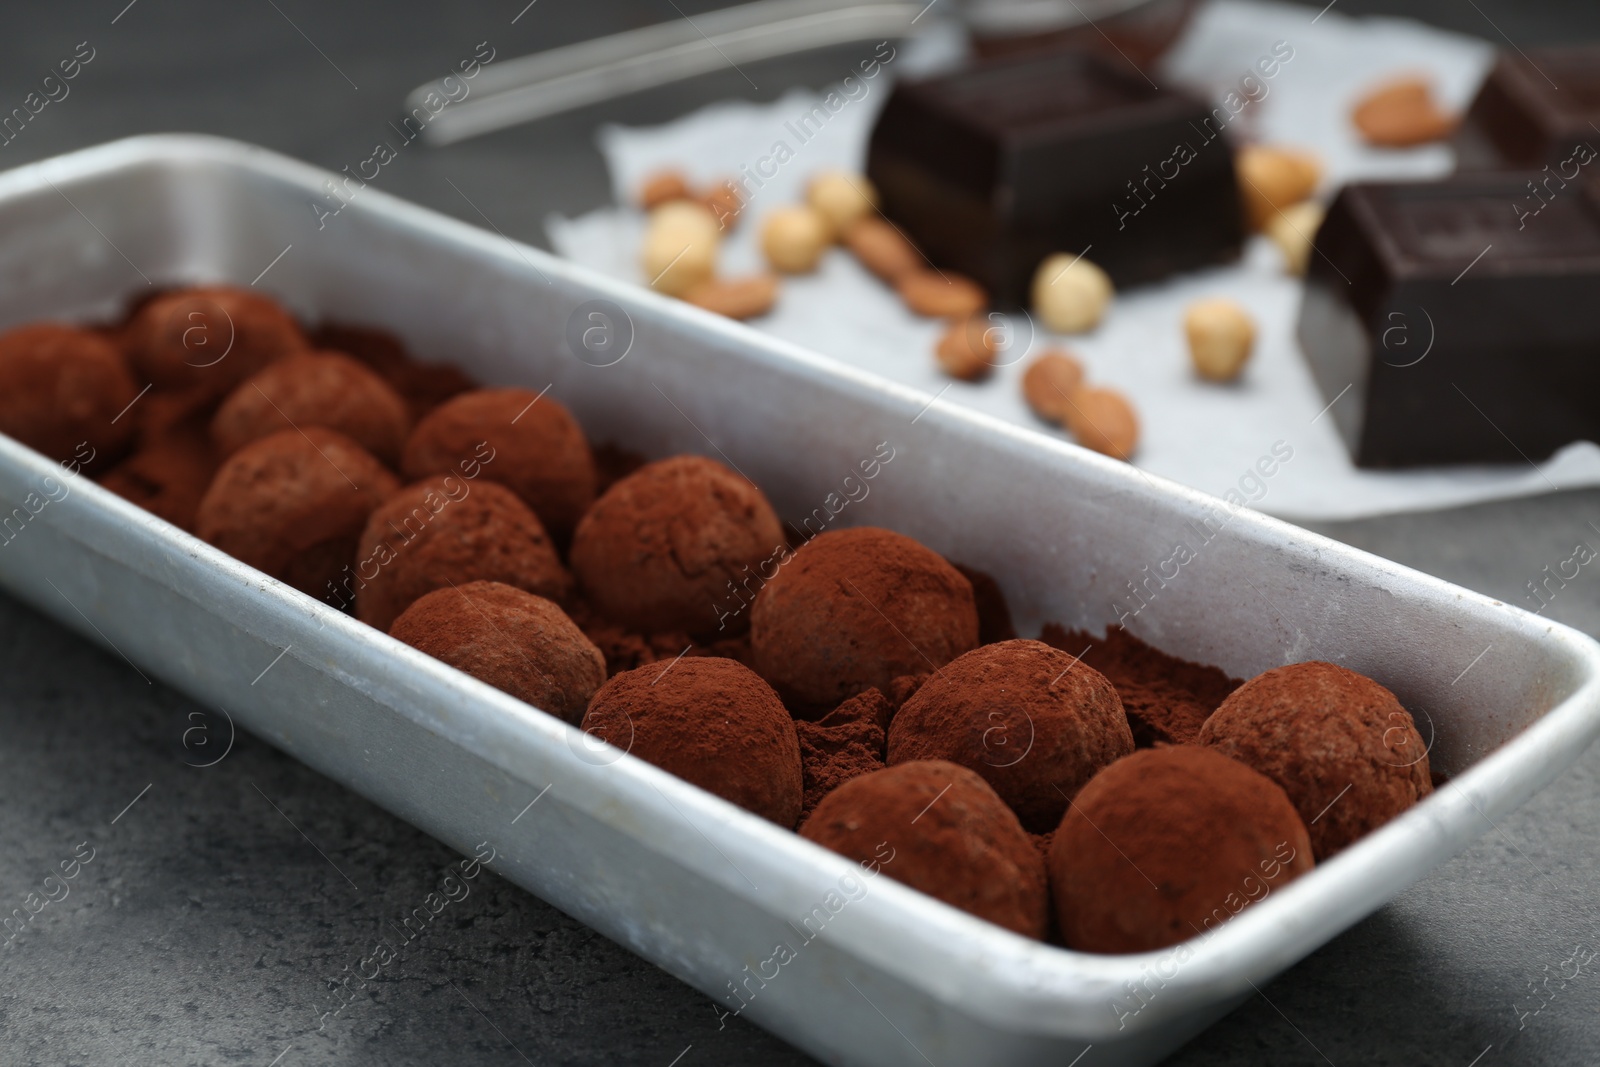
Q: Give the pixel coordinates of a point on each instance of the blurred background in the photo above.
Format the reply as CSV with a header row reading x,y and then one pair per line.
x,y
210,927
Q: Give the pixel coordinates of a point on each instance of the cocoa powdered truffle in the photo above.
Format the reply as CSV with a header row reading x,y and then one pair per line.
x,y
940,829
515,641
424,386
61,387
314,389
1166,844
442,530
293,504
538,451
209,338
855,609
1339,744
1035,722
711,722
167,477
666,547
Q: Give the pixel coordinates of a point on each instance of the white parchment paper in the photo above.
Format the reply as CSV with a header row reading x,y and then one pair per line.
x,y
1203,435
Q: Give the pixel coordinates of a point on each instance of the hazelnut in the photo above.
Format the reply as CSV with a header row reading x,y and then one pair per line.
x,y
737,298
1274,178
1221,335
676,260
882,249
1048,383
794,239
1103,420
941,294
966,351
841,197
724,202
1070,293
685,217
1293,230
661,187
1401,113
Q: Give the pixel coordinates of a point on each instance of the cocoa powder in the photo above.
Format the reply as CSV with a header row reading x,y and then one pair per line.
x,y
1167,699
844,744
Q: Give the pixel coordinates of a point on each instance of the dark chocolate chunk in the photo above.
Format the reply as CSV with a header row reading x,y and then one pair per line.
x,y
1448,322
993,168
1521,119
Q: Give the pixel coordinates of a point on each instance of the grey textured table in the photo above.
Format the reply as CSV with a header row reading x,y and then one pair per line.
x,y
221,903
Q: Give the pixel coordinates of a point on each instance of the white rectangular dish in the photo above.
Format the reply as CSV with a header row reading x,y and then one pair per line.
x,y
701,888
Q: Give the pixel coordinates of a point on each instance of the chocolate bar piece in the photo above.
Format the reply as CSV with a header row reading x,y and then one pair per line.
x,y
1521,118
993,168
1445,322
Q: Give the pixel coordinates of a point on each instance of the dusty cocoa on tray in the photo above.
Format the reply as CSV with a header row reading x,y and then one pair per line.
x,y
209,339
1164,844
539,451
1033,721
444,530
61,388
293,504
665,547
1342,747
855,609
513,640
710,721
315,389
939,828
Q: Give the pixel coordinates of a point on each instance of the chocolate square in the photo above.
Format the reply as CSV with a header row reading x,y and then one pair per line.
x,y
993,168
1533,110
1445,324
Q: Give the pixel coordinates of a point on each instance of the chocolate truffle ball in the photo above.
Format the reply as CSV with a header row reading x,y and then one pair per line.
x,y
514,641
61,387
710,721
1339,744
667,547
314,389
855,609
167,477
443,530
209,338
293,504
939,828
1167,843
1035,722
538,451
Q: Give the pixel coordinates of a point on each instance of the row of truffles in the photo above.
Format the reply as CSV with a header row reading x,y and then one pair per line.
x,y
856,684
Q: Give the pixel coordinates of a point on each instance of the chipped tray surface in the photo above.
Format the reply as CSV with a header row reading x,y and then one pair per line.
x,y
701,888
